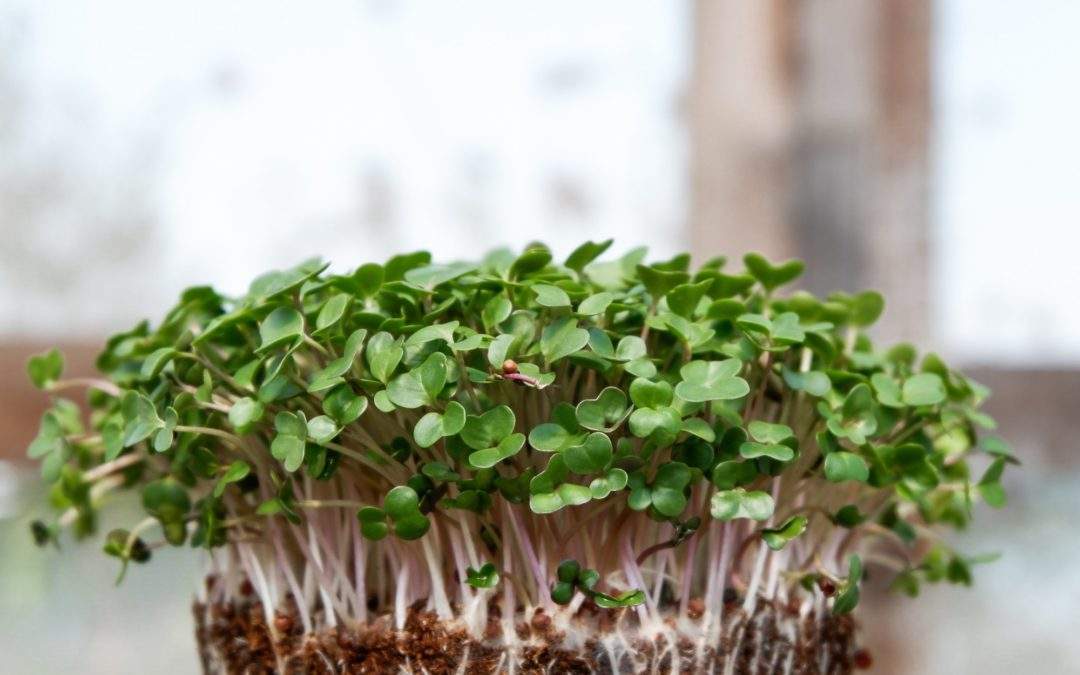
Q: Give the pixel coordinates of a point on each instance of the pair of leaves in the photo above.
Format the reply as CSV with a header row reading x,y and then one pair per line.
x,y
778,537
738,503
141,421
561,338
856,420
420,386
45,369
654,417
401,507
704,381
491,437
667,492
770,440
776,334
570,576
603,413
434,426
918,390
333,374
549,491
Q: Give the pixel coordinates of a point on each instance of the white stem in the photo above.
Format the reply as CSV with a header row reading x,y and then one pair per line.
x,y
438,591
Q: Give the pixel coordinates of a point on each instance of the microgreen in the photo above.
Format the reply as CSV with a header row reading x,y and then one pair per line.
x,y
414,418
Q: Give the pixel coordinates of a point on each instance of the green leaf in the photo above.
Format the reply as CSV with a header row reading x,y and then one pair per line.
x,y
626,599
658,282
777,538
431,276
772,276
235,473
331,312
289,450
813,382
372,523
738,503
483,431
595,304
732,473
496,311
551,296
489,457
603,412
438,331
545,502
857,419
282,325
888,390
866,307
786,329
532,260
630,348
420,386
711,381
684,299
245,413
499,349
989,486
401,502
592,456
642,367
777,451
848,596
924,389
369,278
485,577
648,394
434,426
552,437
646,421
411,527
843,466
383,355
614,481
46,368
155,362
140,417
322,429
769,433
343,405
695,426
586,253
561,338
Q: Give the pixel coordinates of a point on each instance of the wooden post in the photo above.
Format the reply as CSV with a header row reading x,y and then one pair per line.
x,y
809,137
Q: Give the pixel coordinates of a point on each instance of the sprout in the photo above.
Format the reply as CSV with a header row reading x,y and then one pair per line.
x,y
445,434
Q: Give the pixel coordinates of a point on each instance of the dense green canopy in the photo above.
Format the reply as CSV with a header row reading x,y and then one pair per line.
x,y
427,389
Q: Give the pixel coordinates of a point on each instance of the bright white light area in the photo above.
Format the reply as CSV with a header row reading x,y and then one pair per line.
x,y
204,142
1008,191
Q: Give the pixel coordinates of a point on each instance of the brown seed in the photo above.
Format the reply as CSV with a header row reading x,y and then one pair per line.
x,y
541,621
827,586
282,622
862,659
509,367
696,608
246,588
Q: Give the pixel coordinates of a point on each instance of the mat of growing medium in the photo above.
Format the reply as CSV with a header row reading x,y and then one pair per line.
x,y
521,464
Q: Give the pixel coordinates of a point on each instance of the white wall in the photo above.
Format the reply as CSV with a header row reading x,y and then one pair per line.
x,y
158,145
1007,202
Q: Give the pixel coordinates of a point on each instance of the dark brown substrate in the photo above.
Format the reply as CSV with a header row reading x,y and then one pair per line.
x,y
234,638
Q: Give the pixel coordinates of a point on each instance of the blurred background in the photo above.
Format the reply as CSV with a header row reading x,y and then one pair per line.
x,y
924,148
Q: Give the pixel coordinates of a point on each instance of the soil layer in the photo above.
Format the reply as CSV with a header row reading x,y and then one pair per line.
x,y
235,638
